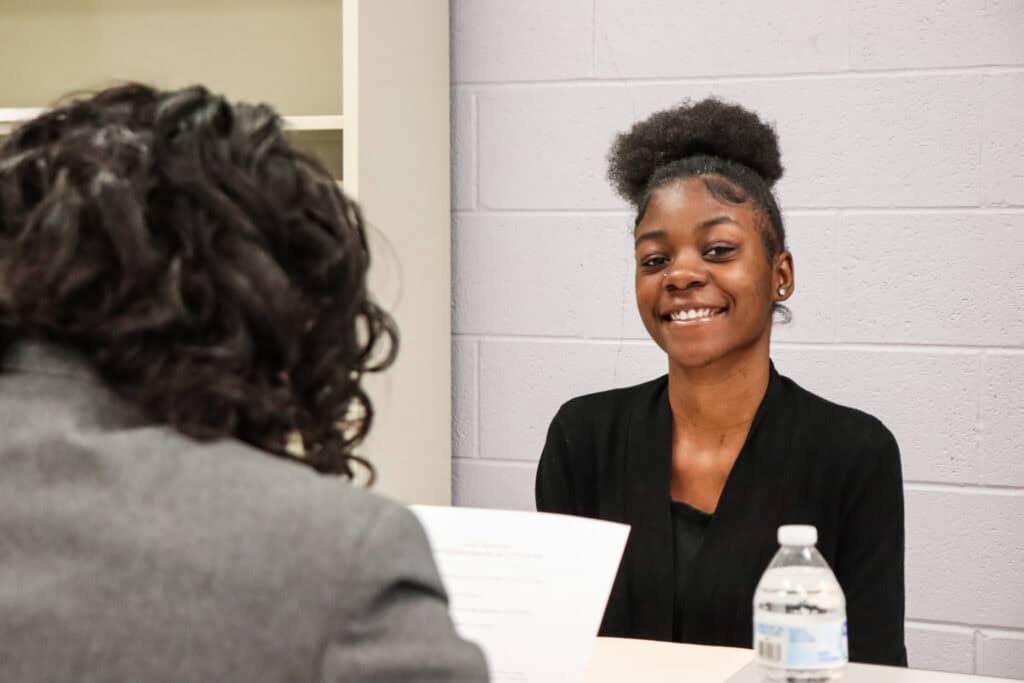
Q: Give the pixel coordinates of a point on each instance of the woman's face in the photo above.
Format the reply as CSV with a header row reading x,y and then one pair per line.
x,y
704,284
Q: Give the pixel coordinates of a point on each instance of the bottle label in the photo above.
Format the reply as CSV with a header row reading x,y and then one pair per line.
x,y
792,641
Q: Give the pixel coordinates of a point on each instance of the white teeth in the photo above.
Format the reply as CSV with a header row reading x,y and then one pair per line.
x,y
693,314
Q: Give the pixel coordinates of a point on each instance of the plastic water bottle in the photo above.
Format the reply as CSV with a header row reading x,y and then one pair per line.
x,y
799,613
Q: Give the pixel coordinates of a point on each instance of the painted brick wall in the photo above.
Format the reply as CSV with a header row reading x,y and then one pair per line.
x,y
902,129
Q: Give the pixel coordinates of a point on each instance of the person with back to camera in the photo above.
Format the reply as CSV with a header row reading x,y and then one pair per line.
x,y
706,462
184,326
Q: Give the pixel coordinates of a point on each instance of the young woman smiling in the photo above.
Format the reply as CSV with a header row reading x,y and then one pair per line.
x,y
707,461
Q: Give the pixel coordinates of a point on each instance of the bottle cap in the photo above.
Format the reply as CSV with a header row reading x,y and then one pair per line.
x,y
797,534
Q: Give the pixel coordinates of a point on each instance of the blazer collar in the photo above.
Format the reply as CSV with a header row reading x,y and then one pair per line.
x,y
62,375
45,358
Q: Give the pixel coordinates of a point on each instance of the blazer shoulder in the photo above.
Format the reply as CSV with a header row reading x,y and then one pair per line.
x,y
389,617
327,503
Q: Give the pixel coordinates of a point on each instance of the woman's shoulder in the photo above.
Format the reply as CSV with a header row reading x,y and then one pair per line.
x,y
611,405
837,428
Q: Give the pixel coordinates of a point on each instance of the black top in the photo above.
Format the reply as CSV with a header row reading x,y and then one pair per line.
x,y
805,461
688,525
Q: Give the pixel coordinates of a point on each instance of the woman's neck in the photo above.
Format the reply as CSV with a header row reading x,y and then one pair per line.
x,y
718,399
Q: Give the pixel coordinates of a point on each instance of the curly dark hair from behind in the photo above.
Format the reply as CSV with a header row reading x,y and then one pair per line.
x,y
211,273
735,153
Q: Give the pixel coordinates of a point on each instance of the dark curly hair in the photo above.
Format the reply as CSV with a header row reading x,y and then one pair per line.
x,y
729,147
211,273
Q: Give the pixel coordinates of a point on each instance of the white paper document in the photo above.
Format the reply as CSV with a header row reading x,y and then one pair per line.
x,y
530,588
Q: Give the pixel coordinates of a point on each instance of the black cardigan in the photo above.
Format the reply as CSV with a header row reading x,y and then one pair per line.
x,y
805,460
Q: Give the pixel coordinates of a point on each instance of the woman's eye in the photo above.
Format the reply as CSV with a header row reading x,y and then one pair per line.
x,y
653,261
719,250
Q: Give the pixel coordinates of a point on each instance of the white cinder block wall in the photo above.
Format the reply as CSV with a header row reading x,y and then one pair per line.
x,y
902,130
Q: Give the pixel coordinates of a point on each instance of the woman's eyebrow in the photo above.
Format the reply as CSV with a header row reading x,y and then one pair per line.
x,y
717,220
659,234
650,235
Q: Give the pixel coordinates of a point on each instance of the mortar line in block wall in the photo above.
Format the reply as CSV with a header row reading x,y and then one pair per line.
x,y
970,489
711,79
521,464
979,397
977,651
837,271
474,125
542,212
980,144
941,627
927,210
1001,632
788,212
778,345
961,627
901,347
476,395
848,21
593,38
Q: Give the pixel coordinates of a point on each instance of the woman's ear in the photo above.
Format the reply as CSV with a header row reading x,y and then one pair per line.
x,y
783,277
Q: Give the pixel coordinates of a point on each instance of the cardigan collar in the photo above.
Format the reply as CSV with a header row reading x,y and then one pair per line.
x,y
648,497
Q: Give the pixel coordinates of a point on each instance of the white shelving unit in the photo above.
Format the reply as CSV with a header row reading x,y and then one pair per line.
x,y
328,122
10,118
381,63
320,134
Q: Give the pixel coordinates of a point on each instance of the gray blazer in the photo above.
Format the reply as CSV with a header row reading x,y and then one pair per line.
x,y
131,553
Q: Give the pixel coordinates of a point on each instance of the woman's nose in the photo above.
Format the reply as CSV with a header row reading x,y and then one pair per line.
x,y
684,273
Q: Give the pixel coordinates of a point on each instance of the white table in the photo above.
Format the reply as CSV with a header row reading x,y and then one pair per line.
x,y
618,660
866,673
627,660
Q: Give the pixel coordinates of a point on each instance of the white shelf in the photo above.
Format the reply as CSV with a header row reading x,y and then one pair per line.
x,y
10,118
317,122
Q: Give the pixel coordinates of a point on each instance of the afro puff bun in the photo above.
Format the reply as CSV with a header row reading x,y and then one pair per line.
x,y
710,127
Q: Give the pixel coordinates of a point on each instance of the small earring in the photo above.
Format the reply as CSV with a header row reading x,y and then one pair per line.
x,y
782,291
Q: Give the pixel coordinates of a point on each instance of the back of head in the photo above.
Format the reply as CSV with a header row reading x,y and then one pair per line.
x,y
211,273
